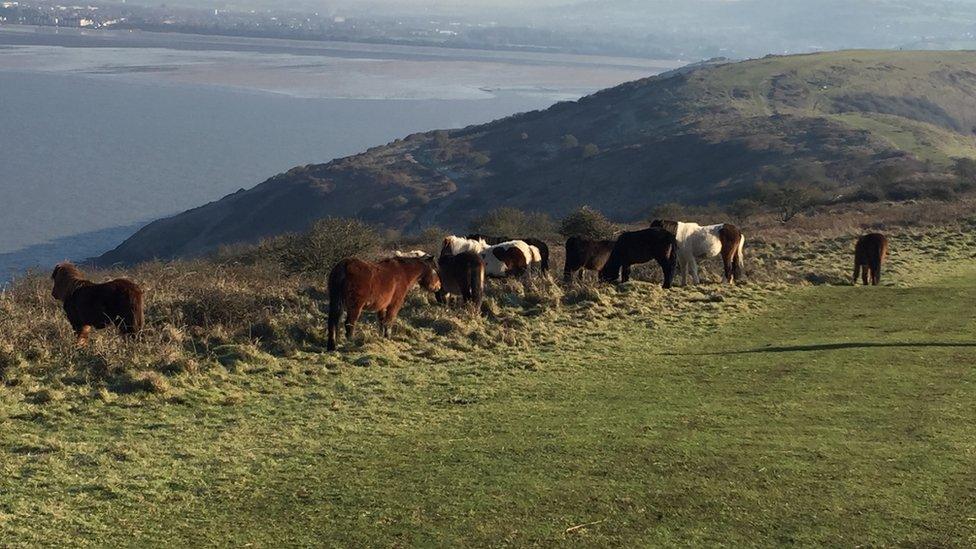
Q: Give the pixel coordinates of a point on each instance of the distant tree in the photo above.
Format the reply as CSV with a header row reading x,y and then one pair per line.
x,y
570,141
590,150
442,138
480,159
789,200
743,209
964,168
513,222
587,223
669,210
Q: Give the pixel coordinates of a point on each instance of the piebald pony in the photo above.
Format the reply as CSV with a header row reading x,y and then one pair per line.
x,y
702,242
507,258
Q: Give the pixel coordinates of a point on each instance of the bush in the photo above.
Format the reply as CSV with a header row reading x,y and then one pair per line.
x,y
744,208
789,200
590,150
480,159
325,244
514,223
587,223
570,141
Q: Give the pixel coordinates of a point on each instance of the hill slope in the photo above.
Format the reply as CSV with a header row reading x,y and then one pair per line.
x,y
694,136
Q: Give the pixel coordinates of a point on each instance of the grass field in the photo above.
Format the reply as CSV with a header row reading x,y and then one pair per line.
x,y
756,415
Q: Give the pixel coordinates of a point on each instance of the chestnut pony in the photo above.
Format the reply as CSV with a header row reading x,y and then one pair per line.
x,y
869,253
90,305
356,285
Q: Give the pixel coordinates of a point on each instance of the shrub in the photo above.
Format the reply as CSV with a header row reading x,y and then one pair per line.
x,y
588,223
480,159
789,200
964,168
325,244
744,208
570,141
514,223
590,150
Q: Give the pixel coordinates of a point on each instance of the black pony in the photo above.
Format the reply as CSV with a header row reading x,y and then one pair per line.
x,y
640,247
542,246
582,253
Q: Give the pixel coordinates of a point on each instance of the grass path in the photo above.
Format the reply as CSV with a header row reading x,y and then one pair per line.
x,y
841,416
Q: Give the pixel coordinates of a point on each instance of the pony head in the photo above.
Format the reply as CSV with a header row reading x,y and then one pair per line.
x,y
666,224
66,277
430,280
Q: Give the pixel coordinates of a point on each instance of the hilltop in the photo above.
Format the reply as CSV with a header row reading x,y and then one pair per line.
x,y
699,135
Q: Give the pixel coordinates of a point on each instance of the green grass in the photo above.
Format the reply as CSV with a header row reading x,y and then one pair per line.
x,y
813,415
925,141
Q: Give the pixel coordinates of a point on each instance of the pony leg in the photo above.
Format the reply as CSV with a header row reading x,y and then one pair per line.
x,y
694,272
625,277
667,275
352,316
876,275
857,273
81,335
389,319
864,275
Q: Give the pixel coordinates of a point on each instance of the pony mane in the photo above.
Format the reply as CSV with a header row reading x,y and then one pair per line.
x,y
667,224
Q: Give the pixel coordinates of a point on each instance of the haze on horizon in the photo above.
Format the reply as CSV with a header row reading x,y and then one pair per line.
x,y
689,29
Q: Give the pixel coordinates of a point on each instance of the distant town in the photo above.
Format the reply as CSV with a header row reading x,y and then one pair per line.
x,y
335,25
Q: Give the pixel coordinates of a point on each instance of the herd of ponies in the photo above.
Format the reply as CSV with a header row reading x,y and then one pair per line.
x,y
459,272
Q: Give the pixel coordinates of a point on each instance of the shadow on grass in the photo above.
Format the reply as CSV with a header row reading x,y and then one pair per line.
x,y
829,347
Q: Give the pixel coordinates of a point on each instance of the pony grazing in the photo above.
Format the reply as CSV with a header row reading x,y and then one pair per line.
x,y
462,275
89,305
505,259
636,247
869,253
583,254
356,285
539,244
702,242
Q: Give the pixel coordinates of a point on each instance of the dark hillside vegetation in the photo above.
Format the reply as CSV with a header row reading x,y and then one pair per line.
x,y
698,136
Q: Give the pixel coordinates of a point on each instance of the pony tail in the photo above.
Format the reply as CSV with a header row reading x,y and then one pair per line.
x,y
544,252
139,313
477,286
337,287
738,264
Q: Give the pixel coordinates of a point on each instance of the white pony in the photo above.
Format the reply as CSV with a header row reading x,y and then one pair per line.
x,y
702,242
412,254
512,257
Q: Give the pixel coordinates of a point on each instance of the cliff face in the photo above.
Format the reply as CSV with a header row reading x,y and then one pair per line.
x,y
697,135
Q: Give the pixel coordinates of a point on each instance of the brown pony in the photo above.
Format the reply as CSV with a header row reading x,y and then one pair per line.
x,y
356,285
90,305
462,275
582,253
869,254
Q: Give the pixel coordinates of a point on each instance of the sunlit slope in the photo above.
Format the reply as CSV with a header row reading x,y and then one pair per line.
x,y
697,135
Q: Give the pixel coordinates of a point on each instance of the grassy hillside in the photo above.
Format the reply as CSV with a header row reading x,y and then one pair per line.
x,y
694,136
776,412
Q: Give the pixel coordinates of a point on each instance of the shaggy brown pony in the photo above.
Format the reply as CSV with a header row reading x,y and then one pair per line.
x,y
462,275
90,305
583,254
869,254
356,285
